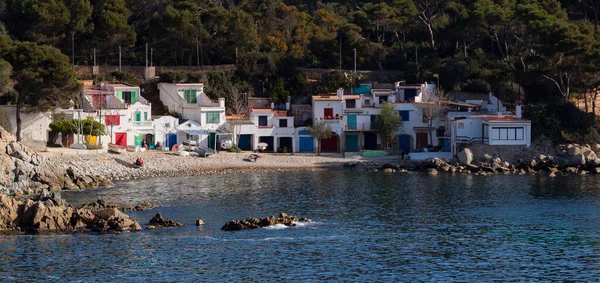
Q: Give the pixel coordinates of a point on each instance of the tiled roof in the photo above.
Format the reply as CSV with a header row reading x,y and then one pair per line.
x,y
356,96
259,110
326,98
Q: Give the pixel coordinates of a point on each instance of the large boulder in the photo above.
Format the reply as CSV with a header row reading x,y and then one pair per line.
x,y
465,157
573,150
9,214
111,219
589,156
577,160
46,217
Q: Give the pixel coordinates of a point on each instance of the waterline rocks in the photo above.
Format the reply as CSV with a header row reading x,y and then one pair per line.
x,y
101,204
253,223
23,171
49,216
159,222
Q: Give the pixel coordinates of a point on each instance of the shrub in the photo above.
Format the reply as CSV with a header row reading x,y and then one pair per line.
x,y
234,148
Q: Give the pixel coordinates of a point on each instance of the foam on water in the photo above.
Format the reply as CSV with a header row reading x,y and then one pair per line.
x,y
277,227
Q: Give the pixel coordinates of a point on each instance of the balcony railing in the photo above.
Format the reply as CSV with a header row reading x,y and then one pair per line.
x,y
358,127
141,124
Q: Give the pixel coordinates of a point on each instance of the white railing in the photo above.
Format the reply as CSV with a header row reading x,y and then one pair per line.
x,y
142,123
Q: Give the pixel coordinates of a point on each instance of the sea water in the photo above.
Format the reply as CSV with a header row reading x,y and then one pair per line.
x,y
366,226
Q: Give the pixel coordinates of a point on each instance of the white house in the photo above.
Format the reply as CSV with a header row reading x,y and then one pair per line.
x,y
192,104
34,125
165,129
351,118
126,114
493,129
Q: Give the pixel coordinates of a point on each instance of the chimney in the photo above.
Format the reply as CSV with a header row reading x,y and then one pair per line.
x,y
221,102
518,112
397,84
340,93
287,103
499,114
272,105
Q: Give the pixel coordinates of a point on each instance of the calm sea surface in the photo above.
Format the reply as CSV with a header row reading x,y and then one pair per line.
x,y
367,227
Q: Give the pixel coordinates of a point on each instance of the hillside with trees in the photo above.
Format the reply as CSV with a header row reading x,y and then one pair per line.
x,y
543,52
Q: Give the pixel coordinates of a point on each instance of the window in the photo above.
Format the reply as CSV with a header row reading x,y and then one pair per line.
x,y
145,116
383,98
351,103
461,125
127,97
262,121
440,132
212,117
508,133
328,112
283,123
113,120
405,115
190,95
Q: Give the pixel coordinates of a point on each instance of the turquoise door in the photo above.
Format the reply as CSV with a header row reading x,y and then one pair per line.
x,y
352,143
212,141
138,116
351,122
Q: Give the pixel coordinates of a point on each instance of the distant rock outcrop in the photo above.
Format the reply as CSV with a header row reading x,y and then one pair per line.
x,y
50,216
159,222
25,171
252,223
100,205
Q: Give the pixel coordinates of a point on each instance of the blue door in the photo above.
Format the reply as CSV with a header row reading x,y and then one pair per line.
x,y
351,122
307,144
352,143
245,142
171,140
404,141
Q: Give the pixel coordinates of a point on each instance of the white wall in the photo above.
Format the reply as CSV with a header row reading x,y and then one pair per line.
x,y
169,97
319,108
469,127
34,126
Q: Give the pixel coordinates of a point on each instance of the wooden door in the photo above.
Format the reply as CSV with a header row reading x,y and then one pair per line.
x,y
422,140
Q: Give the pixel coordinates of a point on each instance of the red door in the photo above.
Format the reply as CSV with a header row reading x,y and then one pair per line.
x,y
328,113
330,144
121,139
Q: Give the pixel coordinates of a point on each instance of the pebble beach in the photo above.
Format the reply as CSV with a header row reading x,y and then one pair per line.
x,y
165,164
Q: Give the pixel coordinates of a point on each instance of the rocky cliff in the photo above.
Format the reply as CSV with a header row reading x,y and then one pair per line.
x,y
23,171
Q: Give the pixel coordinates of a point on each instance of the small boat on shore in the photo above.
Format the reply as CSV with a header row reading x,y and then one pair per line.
x,y
115,148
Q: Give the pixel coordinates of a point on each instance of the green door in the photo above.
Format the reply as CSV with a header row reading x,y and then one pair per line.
x,y
351,122
138,116
138,140
212,141
352,143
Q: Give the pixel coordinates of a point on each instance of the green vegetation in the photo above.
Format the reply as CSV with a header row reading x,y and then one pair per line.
x,y
536,51
88,127
234,148
387,122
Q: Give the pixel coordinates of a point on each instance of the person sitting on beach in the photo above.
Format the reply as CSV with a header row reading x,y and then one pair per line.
x,y
157,145
253,157
139,162
144,144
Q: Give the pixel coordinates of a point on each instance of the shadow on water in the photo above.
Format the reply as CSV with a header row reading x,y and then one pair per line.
x,y
565,186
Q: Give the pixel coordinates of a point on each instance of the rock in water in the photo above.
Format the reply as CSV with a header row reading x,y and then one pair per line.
x,y
159,222
252,223
111,219
199,222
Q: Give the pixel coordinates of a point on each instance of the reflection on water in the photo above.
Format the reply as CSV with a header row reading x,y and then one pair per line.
x,y
367,226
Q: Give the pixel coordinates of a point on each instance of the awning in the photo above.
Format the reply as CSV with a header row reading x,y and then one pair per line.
x,y
142,131
195,132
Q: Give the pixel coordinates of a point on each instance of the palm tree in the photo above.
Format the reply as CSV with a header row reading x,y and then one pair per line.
x,y
319,131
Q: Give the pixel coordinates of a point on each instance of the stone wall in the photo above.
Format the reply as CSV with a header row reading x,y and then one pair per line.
x,y
505,152
141,70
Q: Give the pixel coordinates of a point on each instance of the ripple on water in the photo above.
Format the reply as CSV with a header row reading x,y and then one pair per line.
x,y
368,227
